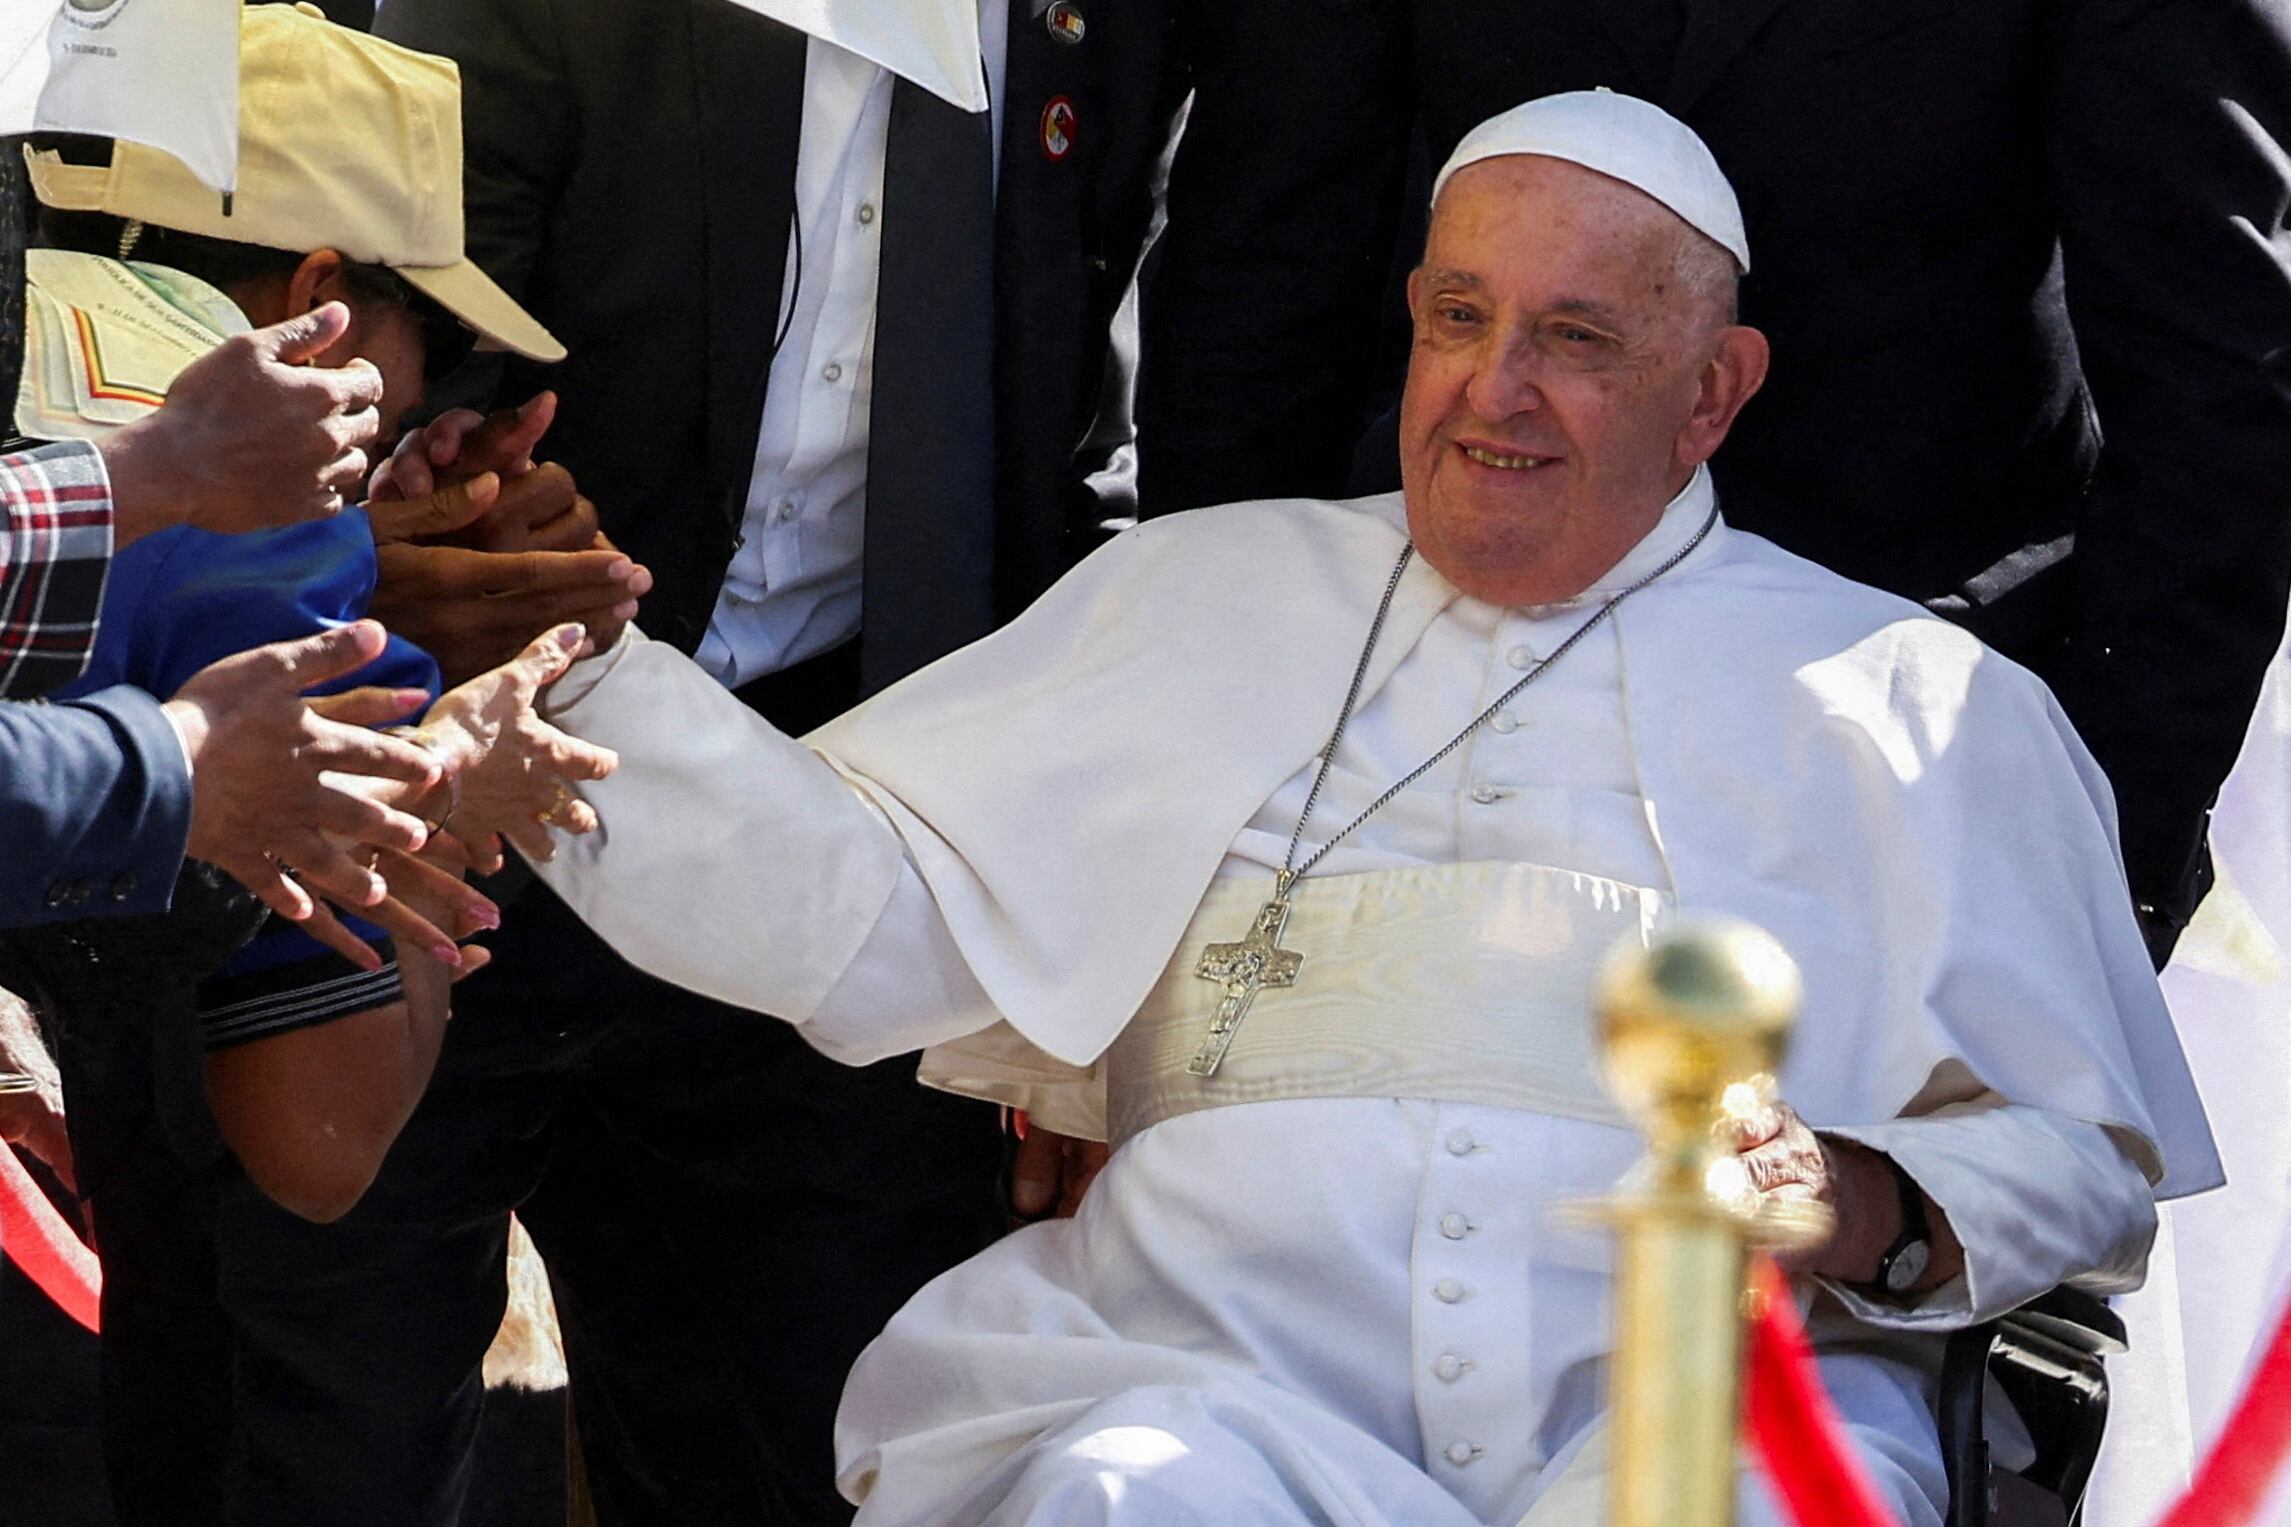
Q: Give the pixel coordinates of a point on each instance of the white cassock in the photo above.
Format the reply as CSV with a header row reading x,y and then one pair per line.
x,y
1324,1285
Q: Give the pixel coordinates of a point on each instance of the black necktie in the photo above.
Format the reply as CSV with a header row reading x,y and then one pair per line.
x,y
928,577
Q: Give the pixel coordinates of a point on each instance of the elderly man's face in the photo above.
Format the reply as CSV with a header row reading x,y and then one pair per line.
x,y
1565,380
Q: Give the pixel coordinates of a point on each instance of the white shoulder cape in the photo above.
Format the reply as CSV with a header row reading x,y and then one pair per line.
x,y
1909,812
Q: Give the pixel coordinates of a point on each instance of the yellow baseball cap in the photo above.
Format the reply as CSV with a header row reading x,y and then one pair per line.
x,y
345,142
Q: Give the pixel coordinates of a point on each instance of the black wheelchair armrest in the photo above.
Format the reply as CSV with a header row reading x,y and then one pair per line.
x,y
2074,1319
2047,1357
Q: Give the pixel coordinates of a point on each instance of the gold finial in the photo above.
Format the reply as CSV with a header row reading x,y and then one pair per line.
x,y
1694,1027
1706,1007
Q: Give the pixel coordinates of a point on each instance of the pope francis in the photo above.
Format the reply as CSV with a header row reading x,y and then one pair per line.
x,y
1277,845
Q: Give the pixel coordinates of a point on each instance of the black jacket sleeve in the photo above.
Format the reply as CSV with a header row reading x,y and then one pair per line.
x,y
1260,322
2168,123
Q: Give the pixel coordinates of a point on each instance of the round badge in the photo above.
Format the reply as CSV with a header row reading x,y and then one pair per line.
x,y
1065,22
1058,123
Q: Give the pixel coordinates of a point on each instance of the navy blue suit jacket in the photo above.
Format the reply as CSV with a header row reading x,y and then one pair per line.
x,y
95,807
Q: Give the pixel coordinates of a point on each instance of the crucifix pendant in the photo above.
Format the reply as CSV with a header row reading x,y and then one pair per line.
x,y
1244,969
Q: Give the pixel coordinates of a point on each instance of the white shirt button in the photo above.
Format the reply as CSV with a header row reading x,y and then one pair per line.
x,y
832,372
1504,722
1454,1226
1486,795
1448,1367
1520,657
866,212
1460,1143
1461,1453
1448,1291
783,510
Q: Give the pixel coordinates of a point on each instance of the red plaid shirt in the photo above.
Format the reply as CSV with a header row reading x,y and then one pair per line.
x,y
55,548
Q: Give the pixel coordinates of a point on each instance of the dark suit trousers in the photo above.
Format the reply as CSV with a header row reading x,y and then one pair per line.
x,y
728,1218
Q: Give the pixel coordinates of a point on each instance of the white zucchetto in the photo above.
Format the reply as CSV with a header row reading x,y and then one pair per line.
x,y
1624,138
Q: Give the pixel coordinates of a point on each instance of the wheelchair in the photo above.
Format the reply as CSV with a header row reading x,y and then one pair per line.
x,y
2047,1357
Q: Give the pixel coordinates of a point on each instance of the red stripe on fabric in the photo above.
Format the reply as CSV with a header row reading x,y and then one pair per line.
x,y
37,1240
1791,1425
2232,1484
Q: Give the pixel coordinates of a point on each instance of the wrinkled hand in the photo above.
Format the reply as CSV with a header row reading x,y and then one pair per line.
x,y
480,549
250,436
1784,1158
35,1119
265,767
1050,1172
518,774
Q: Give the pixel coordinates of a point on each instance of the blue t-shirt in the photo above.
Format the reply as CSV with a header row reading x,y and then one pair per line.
x,y
183,598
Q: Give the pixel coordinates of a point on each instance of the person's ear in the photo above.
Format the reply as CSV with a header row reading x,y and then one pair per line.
x,y
1730,378
322,277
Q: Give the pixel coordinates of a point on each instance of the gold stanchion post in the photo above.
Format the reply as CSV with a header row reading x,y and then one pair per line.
x,y
1693,1027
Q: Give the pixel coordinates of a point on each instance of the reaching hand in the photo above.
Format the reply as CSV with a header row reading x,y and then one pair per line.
x,y
261,795
250,436
480,550
517,773
1050,1172
469,443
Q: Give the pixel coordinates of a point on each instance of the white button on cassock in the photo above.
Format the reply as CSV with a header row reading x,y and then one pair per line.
x,y
1461,1143
1504,722
1448,1368
1461,1453
1520,657
1454,1226
831,373
1486,795
1448,1291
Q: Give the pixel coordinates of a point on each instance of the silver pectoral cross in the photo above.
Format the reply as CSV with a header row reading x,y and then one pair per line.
x,y
1244,969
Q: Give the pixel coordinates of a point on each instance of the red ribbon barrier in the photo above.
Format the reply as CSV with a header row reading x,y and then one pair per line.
x,y
36,1239
1789,1421
2231,1486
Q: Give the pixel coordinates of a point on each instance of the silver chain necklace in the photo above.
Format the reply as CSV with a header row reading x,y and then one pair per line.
x,y
1258,962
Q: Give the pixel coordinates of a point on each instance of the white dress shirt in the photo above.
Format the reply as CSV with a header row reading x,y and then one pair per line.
x,y
792,590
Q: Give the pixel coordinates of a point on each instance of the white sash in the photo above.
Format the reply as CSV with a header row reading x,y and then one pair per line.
x,y
1451,983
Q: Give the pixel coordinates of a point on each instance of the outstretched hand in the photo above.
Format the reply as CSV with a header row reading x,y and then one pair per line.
x,y
518,775
480,549
261,759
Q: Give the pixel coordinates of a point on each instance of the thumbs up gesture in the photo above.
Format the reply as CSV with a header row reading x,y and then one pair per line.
x,y
257,433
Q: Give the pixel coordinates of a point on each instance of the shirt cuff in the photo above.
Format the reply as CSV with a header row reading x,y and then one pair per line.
x,y
581,680
2036,1198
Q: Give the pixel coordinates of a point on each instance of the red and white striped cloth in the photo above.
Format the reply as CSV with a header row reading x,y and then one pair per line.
x,y
55,548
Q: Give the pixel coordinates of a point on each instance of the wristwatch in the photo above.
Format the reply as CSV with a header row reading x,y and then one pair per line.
x,y
1911,1253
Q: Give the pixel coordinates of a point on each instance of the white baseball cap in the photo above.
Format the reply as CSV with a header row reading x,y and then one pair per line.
x,y
345,142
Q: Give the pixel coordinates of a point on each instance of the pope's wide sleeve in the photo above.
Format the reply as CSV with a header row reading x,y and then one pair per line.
x,y
737,862
2037,1199
95,807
